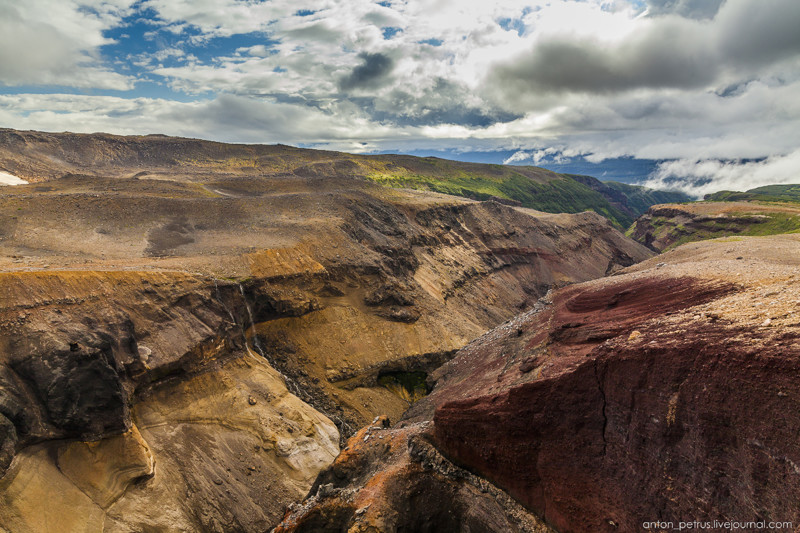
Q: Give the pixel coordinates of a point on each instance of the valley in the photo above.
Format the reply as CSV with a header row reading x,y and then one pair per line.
x,y
205,337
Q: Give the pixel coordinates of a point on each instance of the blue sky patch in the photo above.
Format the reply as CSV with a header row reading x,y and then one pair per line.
x,y
432,42
390,31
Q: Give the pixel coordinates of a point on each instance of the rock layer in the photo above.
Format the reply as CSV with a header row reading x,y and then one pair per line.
x,y
666,393
181,426
648,396
240,326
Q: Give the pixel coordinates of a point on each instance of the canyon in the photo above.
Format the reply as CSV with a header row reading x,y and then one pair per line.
x,y
187,352
206,337
663,394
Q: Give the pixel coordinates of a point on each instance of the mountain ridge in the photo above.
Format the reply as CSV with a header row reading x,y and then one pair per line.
x,y
39,157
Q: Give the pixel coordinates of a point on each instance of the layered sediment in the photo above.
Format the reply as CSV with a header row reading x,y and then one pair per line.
x,y
190,356
665,393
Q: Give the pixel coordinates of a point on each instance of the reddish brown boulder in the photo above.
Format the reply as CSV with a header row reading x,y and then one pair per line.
x,y
666,394
389,480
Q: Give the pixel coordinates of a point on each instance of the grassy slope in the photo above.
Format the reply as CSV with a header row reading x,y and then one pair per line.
x,y
768,193
640,198
775,210
534,187
762,224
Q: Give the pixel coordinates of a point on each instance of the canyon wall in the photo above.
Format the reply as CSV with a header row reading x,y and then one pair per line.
x,y
191,357
667,393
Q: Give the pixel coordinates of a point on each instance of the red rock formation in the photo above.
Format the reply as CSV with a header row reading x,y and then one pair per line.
x,y
651,396
395,480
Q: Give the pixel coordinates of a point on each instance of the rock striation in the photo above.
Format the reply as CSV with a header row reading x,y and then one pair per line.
x,y
188,354
667,392
132,402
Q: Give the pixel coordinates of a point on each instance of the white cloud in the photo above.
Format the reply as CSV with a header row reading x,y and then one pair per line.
x,y
693,80
166,53
56,42
226,118
626,52
701,177
518,157
218,17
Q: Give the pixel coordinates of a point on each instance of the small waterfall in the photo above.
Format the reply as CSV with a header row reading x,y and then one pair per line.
x,y
345,429
291,384
256,341
222,302
257,344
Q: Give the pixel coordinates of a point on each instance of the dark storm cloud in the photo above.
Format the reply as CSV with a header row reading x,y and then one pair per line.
x,y
696,9
584,66
671,52
444,102
369,75
426,115
757,34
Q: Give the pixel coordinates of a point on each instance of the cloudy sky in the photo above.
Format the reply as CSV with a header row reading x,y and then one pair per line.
x,y
703,91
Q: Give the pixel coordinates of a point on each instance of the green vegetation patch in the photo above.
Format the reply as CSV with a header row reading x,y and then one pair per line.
x,y
410,386
560,194
759,225
476,187
767,193
640,199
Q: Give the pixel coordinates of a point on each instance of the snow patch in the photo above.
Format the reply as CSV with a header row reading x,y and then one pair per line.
x,y
10,179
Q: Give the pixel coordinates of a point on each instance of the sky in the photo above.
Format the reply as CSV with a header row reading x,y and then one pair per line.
x,y
698,95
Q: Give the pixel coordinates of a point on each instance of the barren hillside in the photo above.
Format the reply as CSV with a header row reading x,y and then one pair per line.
x,y
184,348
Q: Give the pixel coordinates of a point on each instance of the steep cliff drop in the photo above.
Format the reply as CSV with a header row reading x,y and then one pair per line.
x,y
665,394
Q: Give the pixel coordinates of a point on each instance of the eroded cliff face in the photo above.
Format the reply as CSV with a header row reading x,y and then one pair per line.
x,y
427,286
133,402
664,393
188,357
666,226
668,392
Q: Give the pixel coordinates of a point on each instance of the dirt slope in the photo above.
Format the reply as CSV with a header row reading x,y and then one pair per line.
x,y
39,157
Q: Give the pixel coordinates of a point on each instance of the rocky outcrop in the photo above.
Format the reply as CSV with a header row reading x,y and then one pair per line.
x,y
396,480
667,393
666,226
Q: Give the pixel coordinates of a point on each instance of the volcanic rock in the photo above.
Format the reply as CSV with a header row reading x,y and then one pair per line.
x,y
395,480
656,394
184,347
